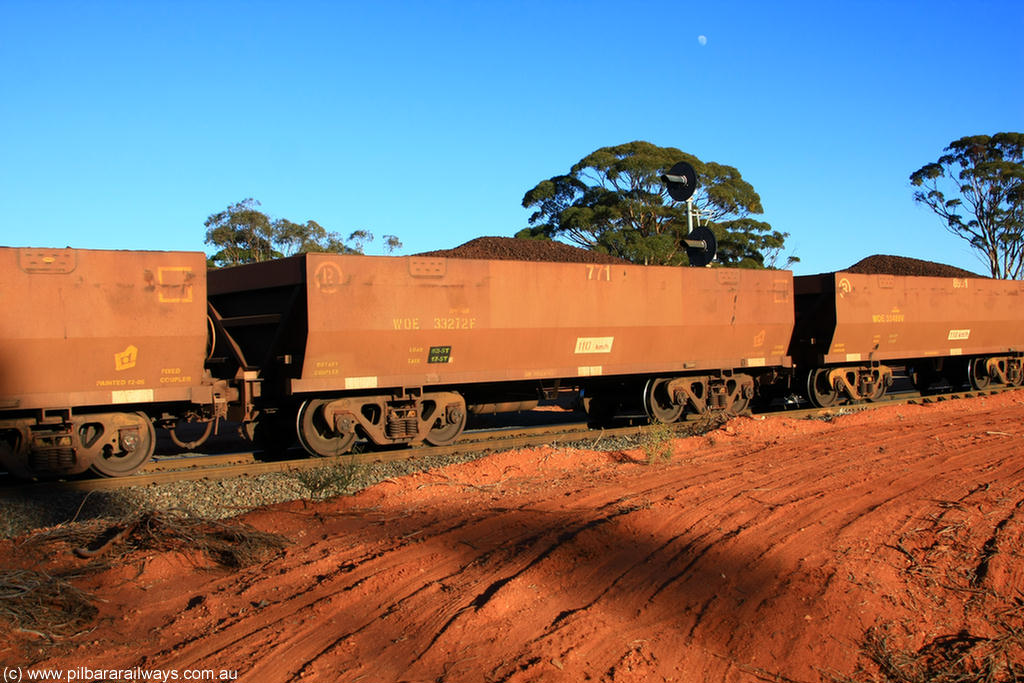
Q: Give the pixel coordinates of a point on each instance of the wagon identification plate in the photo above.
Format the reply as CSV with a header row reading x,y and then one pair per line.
x,y
594,344
439,354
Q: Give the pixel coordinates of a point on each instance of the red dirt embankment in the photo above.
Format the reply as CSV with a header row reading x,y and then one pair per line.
x,y
772,549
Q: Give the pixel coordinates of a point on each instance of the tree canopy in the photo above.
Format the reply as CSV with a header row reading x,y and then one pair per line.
x,y
613,200
243,234
977,189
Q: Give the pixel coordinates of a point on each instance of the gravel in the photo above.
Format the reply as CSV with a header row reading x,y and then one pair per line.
x,y
42,507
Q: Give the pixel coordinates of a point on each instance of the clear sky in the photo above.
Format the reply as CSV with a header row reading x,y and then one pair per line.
x,y
123,125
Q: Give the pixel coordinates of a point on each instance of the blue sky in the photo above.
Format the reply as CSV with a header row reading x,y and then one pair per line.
x,y
125,124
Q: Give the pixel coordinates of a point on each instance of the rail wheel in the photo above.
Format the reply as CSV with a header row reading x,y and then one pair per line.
x,y
879,393
820,389
442,435
1016,373
977,373
740,404
659,404
129,450
317,435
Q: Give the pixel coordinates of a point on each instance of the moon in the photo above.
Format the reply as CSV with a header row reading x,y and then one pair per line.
x,y
703,40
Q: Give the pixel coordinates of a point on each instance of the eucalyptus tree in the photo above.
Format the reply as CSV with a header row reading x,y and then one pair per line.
x,y
243,234
613,200
977,189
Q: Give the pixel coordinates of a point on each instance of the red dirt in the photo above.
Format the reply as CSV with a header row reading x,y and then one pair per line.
x,y
765,550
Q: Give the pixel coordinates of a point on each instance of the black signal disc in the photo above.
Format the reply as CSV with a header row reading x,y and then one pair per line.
x,y
702,256
681,181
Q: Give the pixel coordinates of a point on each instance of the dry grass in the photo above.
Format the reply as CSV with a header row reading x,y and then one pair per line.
x,y
656,442
43,604
954,658
48,605
945,565
656,439
330,480
228,543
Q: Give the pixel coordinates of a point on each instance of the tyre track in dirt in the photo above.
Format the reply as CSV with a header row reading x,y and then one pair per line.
x,y
767,548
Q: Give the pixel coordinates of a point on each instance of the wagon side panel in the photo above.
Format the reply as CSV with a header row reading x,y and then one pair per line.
x,y
885,317
379,321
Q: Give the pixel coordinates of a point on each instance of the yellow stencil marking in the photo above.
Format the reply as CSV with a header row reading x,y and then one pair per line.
x,y
175,284
126,359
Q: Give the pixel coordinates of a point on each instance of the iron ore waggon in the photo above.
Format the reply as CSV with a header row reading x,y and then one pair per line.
x,y
851,328
98,347
401,350
94,347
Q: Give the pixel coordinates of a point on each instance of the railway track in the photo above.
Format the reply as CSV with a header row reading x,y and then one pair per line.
x,y
195,467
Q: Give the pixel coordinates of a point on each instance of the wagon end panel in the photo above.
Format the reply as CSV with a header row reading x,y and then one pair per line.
x,y
89,328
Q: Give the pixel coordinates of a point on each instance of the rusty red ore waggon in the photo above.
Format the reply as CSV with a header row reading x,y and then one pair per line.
x,y
851,328
95,346
99,347
403,349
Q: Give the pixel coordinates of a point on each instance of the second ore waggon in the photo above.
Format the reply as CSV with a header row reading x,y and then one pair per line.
x,y
401,350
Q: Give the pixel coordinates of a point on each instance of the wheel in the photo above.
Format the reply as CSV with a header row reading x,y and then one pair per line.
x,y
1015,373
879,393
317,435
977,373
740,404
131,445
820,390
658,404
442,435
